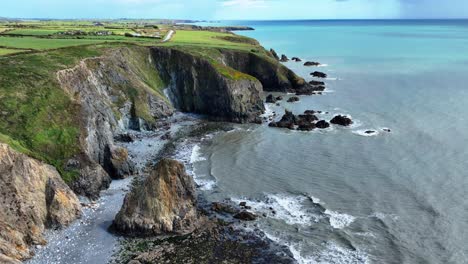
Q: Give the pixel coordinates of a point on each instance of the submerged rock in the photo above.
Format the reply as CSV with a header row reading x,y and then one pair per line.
x,y
279,98
319,74
33,196
341,120
164,203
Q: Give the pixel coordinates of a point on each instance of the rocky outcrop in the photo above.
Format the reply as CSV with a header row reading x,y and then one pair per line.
x,y
319,74
322,124
293,99
312,63
112,94
296,59
303,122
164,203
273,76
33,196
284,58
270,99
274,54
341,120
200,86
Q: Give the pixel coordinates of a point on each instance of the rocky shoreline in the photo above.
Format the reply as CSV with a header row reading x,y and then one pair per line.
x,y
125,124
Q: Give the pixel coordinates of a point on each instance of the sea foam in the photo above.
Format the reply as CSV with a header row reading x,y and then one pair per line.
x,y
289,209
339,220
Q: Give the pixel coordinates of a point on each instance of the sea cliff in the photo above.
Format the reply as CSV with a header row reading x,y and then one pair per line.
x,y
69,112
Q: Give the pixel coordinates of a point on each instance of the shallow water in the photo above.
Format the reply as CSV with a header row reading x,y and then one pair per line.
x,y
341,196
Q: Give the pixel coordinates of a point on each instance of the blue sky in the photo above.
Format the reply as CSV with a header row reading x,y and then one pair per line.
x,y
235,9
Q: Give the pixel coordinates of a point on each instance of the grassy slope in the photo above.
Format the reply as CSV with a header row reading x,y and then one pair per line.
x,y
37,117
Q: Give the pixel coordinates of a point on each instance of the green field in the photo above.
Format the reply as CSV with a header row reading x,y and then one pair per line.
x,y
54,43
207,38
9,51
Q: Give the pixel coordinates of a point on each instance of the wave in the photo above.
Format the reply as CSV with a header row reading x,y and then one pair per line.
x,y
339,220
196,155
189,153
289,209
363,133
332,254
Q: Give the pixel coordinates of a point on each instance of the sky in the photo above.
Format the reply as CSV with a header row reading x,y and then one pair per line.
x,y
236,9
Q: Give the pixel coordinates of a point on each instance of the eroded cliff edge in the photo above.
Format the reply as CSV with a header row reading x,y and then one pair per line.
x,y
101,97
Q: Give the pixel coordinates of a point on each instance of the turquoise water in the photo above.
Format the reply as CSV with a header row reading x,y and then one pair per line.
x,y
340,196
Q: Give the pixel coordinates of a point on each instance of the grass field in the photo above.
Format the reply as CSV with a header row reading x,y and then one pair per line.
x,y
207,38
54,43
9,51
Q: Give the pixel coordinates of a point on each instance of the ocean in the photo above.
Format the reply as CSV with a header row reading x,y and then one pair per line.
x,y
340,195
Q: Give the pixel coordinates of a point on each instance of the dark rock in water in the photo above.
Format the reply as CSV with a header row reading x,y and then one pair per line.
x,y
293,99
270,99
287,121
279,98
166,136
369,132
388,130
290,121
164,203
319,74
306,126
309,112
296,59
317,83
322,124
284,58
126,138
223,208
307,118
311,63
245,216
309,90
274,54
341,120
243,204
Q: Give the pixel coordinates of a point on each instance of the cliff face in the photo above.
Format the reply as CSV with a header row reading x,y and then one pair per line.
x,y
274,76
33,196
198,86
164,203
114,92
